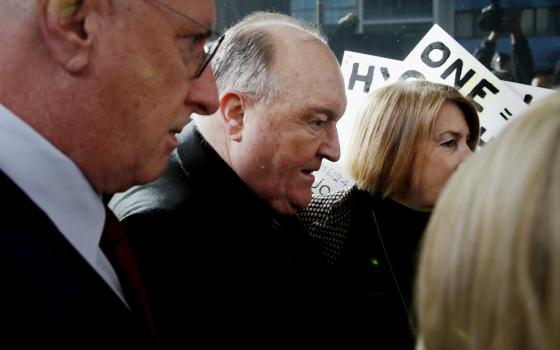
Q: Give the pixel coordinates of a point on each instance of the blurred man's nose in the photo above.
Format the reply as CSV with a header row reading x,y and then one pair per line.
x,y
203,94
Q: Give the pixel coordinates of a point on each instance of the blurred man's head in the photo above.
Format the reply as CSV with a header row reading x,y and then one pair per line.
x,y
347,24
108,83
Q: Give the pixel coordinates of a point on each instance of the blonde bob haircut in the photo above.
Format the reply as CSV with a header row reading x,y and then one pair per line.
x,y
392,123
489,271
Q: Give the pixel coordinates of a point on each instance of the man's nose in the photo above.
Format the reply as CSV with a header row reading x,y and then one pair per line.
x,y
203,94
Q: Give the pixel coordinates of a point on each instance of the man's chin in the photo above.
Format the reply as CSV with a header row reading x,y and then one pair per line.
x,y
289,207
284,207
147,173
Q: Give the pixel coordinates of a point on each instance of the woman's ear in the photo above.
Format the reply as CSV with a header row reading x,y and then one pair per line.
x,y
233,106
67,28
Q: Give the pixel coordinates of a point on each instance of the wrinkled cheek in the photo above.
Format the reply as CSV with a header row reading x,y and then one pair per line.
x,y
148,74
154,69
436,190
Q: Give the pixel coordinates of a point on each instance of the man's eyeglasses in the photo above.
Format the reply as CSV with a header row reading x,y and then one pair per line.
x,y
209,51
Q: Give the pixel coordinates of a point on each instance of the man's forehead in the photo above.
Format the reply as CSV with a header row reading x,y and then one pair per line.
x,y
293,50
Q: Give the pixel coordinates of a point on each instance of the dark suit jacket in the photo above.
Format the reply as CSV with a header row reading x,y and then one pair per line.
x,y
219,264
49,294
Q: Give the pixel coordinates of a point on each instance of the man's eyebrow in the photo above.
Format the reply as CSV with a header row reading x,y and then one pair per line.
x,y
191,30
204,31
322,110
208,34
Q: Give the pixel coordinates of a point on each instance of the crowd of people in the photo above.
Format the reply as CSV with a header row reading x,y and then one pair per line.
x,y
124,227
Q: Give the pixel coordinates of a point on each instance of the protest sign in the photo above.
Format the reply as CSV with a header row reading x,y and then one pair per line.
x,y
529,94
440,58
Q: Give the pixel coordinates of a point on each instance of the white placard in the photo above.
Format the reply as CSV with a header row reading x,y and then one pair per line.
x,y
438,57
529,94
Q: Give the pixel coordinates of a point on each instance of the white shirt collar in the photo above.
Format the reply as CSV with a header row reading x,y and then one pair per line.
x,y
53,182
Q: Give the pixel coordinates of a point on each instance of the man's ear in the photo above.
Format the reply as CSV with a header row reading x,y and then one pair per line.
x,y
67,32
233,105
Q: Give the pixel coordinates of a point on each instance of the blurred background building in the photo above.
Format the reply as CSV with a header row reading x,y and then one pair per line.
x,y
540,22
391,28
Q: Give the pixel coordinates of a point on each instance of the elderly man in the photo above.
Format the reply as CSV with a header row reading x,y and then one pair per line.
x,y
223,252
91,96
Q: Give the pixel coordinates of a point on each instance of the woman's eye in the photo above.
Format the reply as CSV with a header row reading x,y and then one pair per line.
x,y
449,144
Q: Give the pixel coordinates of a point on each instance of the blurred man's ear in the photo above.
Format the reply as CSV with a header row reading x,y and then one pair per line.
x,y
67,28
232,107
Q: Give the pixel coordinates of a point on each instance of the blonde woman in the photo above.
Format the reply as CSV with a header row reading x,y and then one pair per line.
x,y
489,273
410,137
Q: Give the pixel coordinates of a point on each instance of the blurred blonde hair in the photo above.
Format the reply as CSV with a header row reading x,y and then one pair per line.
x,y
489,272
392,123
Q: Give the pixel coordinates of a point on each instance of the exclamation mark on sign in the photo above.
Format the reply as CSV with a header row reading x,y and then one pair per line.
x,y
504,116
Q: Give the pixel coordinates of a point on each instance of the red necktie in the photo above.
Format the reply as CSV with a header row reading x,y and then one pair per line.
x,y
117,249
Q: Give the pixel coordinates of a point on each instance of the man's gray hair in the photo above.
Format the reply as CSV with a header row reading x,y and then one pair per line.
x,y
244,60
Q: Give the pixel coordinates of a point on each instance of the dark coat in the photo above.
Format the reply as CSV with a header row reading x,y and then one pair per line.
x,y
362,257
218,263
49,295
